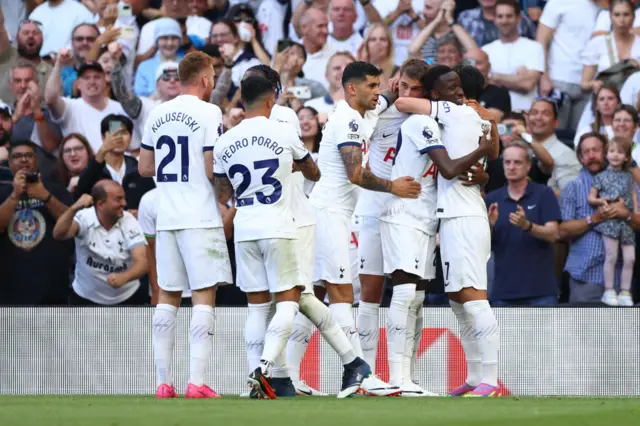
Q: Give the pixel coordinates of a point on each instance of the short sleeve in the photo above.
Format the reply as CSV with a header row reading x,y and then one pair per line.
x,y
592,51
214,130
146,216
63,120
218,167
603,21
147,139
535,56
445,112
598,181
550,207
298,150
382,105
568,202
551,14
83,223
134,236
349,132
424,133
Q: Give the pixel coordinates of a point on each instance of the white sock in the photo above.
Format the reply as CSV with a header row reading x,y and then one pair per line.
x,y
368,323
255,329
420,295
163,336
280,369
343,314
469,344
488,337
409,352
201,337
397,318
278,333
320,315
298,342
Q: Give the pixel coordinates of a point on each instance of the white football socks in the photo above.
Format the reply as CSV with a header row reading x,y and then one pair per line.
x,y
298,342
255,329
277,335
368,323
201,337
487,334
163,336
410,347
418,332
320,315
343,314
469,344
403,295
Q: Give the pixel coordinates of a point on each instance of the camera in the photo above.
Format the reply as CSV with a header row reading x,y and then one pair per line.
x,y
31,177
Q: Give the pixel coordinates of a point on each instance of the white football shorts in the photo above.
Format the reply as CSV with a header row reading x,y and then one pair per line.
x,y
306,244
369,260
408,249
333,234
465,248
192,259
267,265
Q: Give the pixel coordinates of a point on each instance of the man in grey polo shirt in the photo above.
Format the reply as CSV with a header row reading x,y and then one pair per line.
x,y
110,248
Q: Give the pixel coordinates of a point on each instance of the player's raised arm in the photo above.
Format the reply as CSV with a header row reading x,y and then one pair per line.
x,y
404,187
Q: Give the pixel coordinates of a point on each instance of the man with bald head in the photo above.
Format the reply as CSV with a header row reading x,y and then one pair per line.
x,y
315,31
495,99
110,248
342,14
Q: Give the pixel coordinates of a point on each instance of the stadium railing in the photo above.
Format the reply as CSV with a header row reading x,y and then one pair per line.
x,y
543,351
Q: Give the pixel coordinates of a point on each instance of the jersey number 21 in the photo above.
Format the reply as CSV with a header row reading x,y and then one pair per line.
x,y
183,141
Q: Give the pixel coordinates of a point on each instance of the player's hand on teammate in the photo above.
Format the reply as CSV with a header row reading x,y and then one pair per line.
x,y
493,214
519,218
486,146
394,83
116,280
83,202
476,175
405,187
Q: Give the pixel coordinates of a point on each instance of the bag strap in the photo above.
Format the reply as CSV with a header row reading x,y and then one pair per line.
x,y
609,42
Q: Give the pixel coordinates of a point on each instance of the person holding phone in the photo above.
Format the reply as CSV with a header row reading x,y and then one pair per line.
x,y
110,162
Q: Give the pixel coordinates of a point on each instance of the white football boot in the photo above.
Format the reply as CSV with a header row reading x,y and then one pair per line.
x,y
304,389
412,390
373,386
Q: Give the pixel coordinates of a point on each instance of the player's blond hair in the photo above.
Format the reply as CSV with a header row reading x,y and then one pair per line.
x,y
192,65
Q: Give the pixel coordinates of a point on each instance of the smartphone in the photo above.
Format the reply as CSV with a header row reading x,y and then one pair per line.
x,y
300,92
127,33
124,10
114,126
505,129
31,177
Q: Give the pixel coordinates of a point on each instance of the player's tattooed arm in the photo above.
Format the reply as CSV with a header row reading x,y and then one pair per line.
x,y
223,189
223,84
358,175
309,168
131,103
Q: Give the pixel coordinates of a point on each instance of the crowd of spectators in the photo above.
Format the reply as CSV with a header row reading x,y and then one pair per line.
x,y
79,78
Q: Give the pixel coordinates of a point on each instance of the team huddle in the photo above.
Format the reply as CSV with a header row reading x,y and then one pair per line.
x,y
406,162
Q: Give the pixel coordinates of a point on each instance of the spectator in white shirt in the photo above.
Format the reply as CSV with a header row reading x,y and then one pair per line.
x,y
270,16
314,26
81,115
377,49
335,67
516,62
630,92
543,120
110,248
403,19
197,24
58,18
564,30
342,14
600,115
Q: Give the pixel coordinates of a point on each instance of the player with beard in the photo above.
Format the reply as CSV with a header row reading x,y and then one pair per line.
x,y
465,238
29,43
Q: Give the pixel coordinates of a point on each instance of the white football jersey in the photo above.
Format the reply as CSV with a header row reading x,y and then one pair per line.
x,y
257,156
179,131
461,135
345,127
418,135
381,152
302,209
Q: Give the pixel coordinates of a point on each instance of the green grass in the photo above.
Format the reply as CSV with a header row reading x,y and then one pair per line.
x,y
306,411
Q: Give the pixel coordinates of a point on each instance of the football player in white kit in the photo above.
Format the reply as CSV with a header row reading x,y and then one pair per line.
x,y
382,151
254,161
336,193
465,238
191,248
286,375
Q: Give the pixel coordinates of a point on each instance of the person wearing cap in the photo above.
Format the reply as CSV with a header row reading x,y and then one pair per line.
x,y
81,115
168,38
35,267
110,162
29,44
83,37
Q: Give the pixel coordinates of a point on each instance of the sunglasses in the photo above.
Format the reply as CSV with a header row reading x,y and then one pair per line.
x,y
247,19
167,76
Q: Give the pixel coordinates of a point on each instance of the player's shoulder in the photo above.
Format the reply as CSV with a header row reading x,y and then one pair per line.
x,y
149,199
420,121
283,114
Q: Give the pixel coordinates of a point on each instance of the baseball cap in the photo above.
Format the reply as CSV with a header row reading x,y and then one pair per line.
x,y
166,67
6,109
90,65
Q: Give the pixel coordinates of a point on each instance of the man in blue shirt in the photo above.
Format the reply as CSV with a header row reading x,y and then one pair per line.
x,y
524,220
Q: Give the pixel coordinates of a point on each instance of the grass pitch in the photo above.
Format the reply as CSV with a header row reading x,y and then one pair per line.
x,y
308,411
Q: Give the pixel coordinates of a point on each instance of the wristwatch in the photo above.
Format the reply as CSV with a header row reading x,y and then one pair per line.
x,y
589,221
